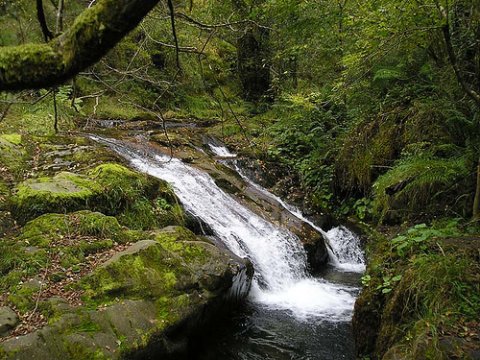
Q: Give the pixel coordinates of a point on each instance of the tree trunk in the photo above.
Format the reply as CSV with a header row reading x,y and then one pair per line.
x,y
254,63
476,201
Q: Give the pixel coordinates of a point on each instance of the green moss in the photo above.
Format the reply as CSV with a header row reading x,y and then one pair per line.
x,y
140,215
183,242
110,188
155,269
12,155
72,237
366,150
49,227
122,185
44,229
412,316
148,274
96,224
146,214
65,192
23,298
15,139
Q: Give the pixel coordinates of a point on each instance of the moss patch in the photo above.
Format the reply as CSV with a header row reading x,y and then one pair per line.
x,y
109,188
13,156
62,193
421,291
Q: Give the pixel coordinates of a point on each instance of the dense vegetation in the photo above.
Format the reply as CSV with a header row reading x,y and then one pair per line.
x,y
370,107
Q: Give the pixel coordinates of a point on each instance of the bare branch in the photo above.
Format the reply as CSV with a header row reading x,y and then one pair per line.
x,y
174,32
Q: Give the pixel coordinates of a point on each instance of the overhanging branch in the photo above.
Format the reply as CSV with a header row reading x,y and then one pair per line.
x,y
95,31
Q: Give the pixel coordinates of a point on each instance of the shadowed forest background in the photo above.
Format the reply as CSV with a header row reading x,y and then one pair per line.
x,y
366,110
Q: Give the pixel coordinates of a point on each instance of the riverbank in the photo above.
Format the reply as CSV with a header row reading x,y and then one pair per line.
x,y
96,260
420,291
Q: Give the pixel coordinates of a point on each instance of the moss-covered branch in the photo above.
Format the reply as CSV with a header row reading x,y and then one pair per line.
x,y
95,31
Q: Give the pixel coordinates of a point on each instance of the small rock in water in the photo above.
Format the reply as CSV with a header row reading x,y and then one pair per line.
x,y
8,320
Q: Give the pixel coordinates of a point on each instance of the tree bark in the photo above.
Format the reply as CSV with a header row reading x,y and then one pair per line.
x,y
59,22
47,34
475,96
95,31
476,200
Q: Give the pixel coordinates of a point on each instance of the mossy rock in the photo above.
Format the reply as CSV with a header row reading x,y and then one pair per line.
x,y
13,155
109,188
67,153
71,238
62,193
145,300
122,186
145,214
154,268
48,227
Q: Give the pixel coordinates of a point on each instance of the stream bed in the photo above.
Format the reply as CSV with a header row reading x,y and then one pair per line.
x,y
257,333
289,314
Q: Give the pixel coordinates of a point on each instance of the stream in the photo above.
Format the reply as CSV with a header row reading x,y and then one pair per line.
x,y
289,313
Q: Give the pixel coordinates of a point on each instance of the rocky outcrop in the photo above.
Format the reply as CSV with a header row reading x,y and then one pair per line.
x,y
146,300
109,188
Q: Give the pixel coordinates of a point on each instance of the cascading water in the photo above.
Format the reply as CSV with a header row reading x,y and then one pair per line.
x,y
281,281
221,151
343,245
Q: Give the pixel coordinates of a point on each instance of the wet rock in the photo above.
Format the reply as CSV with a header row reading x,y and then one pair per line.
x,y
148,302
317,255
8,320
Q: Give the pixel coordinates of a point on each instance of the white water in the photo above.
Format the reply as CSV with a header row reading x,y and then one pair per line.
x,y
343,246
280,280
221,151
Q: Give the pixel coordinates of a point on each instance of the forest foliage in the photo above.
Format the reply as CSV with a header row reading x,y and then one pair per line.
x,y
370,106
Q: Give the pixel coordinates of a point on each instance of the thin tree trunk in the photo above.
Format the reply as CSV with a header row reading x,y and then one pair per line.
x,y
476,201
47,34
59,22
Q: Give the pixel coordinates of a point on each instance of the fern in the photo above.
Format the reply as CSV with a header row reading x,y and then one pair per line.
x,y
388,75
415,182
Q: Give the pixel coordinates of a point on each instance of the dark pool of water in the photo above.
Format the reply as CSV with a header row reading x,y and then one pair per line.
x,y
256,333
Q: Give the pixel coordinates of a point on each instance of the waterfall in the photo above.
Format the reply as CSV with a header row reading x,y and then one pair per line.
x,y
343,245
281,281
221,151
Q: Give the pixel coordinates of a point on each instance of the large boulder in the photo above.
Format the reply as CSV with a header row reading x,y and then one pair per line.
x,y
109,188
148,299
61,193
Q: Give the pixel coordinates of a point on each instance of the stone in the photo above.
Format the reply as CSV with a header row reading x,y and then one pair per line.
x,y
8,320
61,193
147,301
